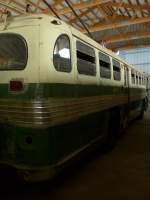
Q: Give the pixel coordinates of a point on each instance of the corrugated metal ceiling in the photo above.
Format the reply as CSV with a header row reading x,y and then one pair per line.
x,y
127,20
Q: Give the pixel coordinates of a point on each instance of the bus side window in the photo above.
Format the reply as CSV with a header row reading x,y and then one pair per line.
x,y
140,80
116,70
125,76
86,64
62,57
133,76
104,62
137,79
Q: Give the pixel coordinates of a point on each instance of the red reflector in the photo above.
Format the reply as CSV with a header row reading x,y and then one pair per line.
x,y
16,85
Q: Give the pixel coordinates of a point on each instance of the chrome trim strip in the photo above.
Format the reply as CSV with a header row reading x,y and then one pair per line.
x,y
55,111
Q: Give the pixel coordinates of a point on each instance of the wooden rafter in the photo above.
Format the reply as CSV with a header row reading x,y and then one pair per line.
x,y
141,10
80,6
35,5
57,2
133,9
11,7
74,19
100,27
110,19
128,36
133,6
131,46
18,4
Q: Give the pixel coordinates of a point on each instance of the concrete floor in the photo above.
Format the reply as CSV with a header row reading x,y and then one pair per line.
x,y
122,174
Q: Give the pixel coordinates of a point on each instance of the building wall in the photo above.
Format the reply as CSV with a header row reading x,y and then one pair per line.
x,y
140,58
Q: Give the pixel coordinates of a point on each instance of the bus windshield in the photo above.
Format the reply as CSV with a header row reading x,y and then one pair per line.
x,y
13,52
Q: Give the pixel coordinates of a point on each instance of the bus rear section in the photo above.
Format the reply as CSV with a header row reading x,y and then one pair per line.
x,y
19,90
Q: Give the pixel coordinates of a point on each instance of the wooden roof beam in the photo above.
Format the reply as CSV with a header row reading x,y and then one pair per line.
x,y
141,10
35,5
93,3
56,2
131,46
12,7
102,27
74,19
133,10
128,36
18,4
83,5
133,6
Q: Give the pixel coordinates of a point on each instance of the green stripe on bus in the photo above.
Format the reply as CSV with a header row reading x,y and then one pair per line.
x,y
45,90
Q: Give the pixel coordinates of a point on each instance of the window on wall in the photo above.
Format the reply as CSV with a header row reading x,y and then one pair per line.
x,y
133,77
116,70
62,56
104,62
85,59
